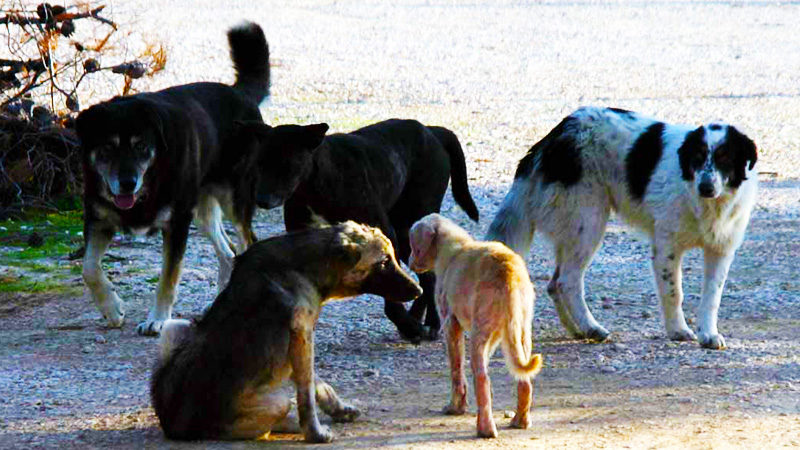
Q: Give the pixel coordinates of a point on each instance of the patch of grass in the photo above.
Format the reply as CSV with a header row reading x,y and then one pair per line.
x,y
37,271
153,279
24,284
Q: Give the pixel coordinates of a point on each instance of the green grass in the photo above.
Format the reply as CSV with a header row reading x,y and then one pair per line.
x,y
60,237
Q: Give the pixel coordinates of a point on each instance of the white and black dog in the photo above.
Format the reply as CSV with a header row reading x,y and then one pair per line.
x,y
684,186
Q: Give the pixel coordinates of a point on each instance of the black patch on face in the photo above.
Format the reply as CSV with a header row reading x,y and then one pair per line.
x,y
643,158
735,154
692,153
560,157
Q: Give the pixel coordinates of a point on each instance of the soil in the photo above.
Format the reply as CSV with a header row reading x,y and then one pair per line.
x,y
500,75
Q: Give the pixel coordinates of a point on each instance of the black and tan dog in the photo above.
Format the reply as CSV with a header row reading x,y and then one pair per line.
x,y
217,379
155,160
388,175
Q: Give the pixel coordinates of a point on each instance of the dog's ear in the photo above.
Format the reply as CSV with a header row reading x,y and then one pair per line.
x,y
744,152
298,137
252,127
314,135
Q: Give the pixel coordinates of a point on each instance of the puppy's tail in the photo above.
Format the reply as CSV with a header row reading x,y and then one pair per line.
x,y
458,170
250,55
517,345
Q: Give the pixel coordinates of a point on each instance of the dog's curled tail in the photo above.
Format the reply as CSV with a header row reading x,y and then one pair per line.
x,y
250,55
458,170
517,335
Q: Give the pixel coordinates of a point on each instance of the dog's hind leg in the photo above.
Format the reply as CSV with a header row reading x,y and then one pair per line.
x,y
454,340
332,405
258,415
209,216
483,344
667,273
174,246
575,246
100,289
716,272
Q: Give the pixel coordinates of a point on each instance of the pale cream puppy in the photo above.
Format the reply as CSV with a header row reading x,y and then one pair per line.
x,y
482,287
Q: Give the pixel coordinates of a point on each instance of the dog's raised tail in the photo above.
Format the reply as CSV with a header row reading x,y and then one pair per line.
x,y
458,170
250,55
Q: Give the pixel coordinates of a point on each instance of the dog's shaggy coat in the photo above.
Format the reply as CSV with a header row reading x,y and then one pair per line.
x,y
216,379
684,186
482,287
154,160
388,175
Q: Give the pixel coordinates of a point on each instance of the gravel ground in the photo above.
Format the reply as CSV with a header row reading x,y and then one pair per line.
x,y
500,74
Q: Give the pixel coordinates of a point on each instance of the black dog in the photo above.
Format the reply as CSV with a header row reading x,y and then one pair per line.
x,y
153,160
217,379
389,175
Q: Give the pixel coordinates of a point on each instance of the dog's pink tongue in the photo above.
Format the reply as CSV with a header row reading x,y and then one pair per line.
x,y
124,201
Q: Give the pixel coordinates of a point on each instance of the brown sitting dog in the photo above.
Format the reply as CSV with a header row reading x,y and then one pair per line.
x,y
482,287
217,379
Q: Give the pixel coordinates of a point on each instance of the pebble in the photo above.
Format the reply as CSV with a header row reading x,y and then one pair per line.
x,y
508,414
608,369
100,339
620,347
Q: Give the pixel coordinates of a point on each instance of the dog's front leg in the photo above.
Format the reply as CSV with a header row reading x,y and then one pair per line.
x,y
716,272
100,289
301,353
667,272
174,246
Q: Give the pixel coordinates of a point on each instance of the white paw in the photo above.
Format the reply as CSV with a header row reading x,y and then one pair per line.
x,y
112,311
149,327
683,334
712,341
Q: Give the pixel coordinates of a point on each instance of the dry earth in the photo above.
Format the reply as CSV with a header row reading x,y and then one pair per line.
x,y
500,74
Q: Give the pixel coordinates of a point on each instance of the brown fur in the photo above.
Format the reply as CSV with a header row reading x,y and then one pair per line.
x,y
218,379
482,287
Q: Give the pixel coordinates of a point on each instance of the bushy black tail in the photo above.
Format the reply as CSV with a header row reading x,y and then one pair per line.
x,y
458,170
250,55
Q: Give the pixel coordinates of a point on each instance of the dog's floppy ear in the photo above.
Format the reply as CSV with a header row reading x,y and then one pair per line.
x,y
745,148
745,154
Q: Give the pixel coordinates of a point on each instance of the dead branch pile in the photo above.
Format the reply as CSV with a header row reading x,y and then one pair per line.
x,y
52,59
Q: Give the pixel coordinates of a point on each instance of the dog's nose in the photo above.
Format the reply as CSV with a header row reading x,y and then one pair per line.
x,y
706,190
127,184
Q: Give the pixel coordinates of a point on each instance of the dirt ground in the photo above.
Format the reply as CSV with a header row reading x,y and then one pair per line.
x,y
500,74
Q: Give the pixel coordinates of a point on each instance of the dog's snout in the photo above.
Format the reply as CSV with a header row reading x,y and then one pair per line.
x,y
706,189
127,184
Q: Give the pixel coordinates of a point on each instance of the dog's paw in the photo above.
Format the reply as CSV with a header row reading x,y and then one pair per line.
x,y
149,327
113,311
682,335
487,428
595,334
521,421
430,333
347,413
712,341
319,435
455,410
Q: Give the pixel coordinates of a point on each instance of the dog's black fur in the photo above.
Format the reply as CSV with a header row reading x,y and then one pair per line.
x,y
150,158
216,382
389,175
